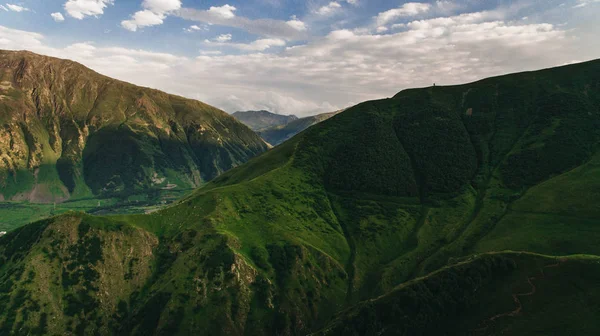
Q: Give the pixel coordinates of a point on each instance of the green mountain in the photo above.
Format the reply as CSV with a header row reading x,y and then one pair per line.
x,y
68,132
277,134
394,217
260,120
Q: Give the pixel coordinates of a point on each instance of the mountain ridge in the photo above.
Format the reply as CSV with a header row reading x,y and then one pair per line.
x,y
58,114
260,120
275,135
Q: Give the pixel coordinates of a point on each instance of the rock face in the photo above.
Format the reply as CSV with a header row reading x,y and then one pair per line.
x,y
67,131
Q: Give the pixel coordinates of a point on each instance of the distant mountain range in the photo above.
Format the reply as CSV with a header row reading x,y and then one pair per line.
x,y
261,120
398,216
69,132
275,128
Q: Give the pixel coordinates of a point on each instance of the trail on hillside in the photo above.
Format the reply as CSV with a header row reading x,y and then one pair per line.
x,y
516,298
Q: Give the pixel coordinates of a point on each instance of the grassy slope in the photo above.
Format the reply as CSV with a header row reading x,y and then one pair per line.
x,y
490,294
326,220
558,216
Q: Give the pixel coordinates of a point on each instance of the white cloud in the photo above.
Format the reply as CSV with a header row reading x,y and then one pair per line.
x,y
352,2
162,6
58,17
329,9
340,69
293,29
223,38
79,9
16,8
154,14
408,9
258,45
225,11
194,28
142,19
583,3
296,24
3,8
210,52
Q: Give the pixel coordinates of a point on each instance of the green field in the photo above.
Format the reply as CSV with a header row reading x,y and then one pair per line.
x,y
16,214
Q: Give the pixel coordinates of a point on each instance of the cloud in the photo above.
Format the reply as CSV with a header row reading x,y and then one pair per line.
x,y
79,9
210,52
193,28
258,45
3,8
408,9
583,3
15,8
154,14
58,17
225,11
162,6
340,69
296,24
223,38
328,9
293,29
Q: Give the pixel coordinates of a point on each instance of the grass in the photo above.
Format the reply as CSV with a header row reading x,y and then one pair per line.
x,y
16,214
480,296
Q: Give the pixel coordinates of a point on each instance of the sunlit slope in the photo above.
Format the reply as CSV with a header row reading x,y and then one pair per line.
x,y
68,132
381,194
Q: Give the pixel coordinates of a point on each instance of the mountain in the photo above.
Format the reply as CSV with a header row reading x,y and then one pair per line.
x,y
395,217
277,134
260,120
68,132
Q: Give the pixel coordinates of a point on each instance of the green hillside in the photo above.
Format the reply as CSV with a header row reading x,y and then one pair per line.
x,y
275,135
67,132
338,230
490,294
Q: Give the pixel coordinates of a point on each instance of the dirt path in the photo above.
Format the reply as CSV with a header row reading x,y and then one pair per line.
x,y
516,298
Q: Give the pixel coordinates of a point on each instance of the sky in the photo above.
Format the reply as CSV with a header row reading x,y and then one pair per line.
x,y
303,57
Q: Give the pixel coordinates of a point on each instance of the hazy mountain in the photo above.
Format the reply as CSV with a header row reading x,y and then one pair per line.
x,y
387,219
260,120
277,134
66,131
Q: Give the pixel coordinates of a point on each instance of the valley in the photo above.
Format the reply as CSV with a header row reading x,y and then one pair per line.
x,y
275,128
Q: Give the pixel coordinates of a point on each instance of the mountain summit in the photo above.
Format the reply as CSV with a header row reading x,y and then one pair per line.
x,y
67,131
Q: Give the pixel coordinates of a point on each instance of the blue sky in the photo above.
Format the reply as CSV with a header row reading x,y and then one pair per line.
x,y
303,57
